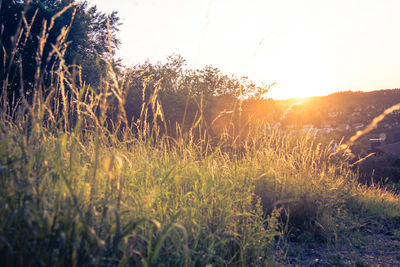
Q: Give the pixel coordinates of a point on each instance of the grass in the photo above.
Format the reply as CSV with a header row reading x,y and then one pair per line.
x,y
143,204
79,193
65,201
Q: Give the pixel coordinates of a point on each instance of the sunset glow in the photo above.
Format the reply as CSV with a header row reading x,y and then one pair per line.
x,y
310,47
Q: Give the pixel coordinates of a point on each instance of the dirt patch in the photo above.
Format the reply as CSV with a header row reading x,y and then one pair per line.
x,y
375,243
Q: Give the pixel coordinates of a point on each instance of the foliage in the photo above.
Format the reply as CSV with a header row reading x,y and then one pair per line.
x,y
37,33
187,95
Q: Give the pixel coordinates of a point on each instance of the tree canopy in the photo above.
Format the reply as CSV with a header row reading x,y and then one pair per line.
x,y
36,35
41,40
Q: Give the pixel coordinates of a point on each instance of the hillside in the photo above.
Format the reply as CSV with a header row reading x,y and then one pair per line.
x,y
341,108
339,116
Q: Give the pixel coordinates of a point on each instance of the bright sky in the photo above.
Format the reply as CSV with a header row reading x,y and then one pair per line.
x,y
309,47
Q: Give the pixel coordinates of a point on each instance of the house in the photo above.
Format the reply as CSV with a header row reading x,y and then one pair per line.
x,y
376,143
358,126
333,114
387,126
326,130
308,127
382,136
343,127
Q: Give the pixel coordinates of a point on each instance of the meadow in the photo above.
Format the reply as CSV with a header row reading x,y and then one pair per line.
x,y
82,186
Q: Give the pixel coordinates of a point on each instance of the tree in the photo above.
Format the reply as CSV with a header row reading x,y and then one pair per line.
x,y
34,33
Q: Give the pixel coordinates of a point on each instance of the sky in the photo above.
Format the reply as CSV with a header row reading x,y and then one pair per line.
x,y
308,47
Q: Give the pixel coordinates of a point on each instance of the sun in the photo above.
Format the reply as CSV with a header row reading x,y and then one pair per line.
x,y
298,89
302,67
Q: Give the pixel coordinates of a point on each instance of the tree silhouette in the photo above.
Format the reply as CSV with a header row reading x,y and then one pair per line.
x,y
34,33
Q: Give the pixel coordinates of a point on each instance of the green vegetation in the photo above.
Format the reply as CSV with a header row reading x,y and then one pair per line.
x,y
85,183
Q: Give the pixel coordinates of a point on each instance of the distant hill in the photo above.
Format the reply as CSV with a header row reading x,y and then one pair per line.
x,y
351,111
385,98
339,108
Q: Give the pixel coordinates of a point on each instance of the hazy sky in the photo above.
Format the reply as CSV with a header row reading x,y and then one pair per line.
x,y
309,47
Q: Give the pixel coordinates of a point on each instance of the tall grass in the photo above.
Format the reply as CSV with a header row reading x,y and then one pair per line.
x,y
78,189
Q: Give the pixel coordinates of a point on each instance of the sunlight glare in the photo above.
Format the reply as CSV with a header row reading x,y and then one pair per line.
x,y
300,68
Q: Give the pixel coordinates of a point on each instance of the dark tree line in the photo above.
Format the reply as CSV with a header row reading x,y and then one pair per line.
x,y
188,96
39,36
31,43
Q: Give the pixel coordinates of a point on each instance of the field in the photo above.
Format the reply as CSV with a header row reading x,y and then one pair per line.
x,y
82,186
73,198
